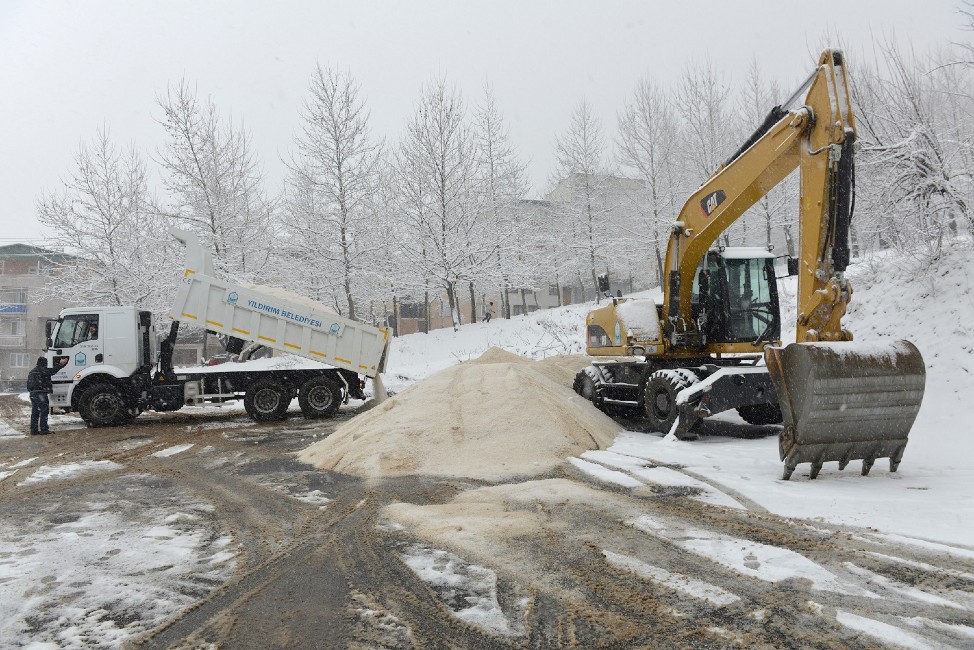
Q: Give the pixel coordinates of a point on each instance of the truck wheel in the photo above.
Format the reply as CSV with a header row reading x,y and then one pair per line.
x,y
319,397
103,405
267,400
760,413
659,398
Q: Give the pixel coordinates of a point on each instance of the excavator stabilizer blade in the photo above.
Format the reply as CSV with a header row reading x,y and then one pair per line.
x,y
846,401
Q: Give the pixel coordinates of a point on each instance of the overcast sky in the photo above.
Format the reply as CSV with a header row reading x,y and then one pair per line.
x,y
69,67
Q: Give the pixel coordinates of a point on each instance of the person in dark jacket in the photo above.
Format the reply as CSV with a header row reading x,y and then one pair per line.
x,y
39,386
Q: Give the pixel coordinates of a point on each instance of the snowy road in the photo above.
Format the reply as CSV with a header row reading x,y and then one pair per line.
x,y
189,530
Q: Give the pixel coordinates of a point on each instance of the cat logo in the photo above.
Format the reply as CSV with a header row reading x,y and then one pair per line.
x,y
710,202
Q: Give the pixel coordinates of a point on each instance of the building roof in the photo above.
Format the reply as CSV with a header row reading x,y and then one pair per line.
x,y
28,252
564,188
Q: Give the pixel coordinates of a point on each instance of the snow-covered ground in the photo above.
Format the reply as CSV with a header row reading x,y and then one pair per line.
x,y
95,572
929,499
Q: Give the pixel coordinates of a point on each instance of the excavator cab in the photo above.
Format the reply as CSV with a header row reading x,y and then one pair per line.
x,y
735,297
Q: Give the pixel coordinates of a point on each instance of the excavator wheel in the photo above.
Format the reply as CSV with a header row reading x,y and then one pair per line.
x,y
584,385
659,398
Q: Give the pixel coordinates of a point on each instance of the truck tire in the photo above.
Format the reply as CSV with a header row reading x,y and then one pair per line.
x,y
266,400
103,405
319,397
760,413
659,398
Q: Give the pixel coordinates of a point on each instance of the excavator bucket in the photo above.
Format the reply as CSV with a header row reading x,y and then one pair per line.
x,y
846,401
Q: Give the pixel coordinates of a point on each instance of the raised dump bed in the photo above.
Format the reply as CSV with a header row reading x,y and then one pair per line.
x,y
274,318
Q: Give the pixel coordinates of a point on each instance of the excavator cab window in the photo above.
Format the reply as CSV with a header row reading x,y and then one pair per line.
x,y
752,300
742,299
598,337
712,301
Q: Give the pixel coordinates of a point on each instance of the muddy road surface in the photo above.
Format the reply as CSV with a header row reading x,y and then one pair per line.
x,y
202,530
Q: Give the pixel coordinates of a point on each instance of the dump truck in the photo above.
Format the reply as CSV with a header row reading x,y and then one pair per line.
x,y
714,343
116,366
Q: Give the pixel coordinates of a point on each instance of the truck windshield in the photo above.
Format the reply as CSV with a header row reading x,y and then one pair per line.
x,y
76,329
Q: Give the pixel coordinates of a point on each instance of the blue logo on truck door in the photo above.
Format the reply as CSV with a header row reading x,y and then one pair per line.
x,y
80,359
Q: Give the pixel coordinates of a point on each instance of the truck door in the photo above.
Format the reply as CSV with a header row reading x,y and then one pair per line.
x,y
79,340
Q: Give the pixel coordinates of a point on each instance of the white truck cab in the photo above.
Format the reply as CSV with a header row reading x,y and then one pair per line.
x,y
114,341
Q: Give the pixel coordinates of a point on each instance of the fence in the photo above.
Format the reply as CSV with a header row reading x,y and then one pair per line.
x,y
13,385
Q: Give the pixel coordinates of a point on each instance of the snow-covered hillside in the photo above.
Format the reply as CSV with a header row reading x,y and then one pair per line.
x,y
537,335
932,494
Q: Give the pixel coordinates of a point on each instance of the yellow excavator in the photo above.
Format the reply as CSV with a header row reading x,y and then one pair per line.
x,y
714,342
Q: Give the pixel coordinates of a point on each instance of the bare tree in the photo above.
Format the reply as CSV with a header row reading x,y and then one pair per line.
x,y
582,174
445,237
702,100
332,176
647,145
504,184
771,210
214,182
917,179
104,215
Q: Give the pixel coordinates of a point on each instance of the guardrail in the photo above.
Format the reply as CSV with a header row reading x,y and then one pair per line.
x,y
12,385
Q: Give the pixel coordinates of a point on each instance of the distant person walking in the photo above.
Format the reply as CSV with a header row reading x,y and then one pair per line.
x,y
488,312
39,385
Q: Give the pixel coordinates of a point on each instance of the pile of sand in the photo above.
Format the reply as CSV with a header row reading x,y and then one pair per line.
x,y
493,418
562,369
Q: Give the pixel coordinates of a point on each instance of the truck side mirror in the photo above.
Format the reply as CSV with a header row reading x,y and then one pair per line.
x,y
603,282
48,328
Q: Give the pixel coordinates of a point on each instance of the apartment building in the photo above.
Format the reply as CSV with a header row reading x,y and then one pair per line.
x,y
24,269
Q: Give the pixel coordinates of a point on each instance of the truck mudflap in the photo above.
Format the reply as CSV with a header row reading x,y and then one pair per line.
x,y
846,401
